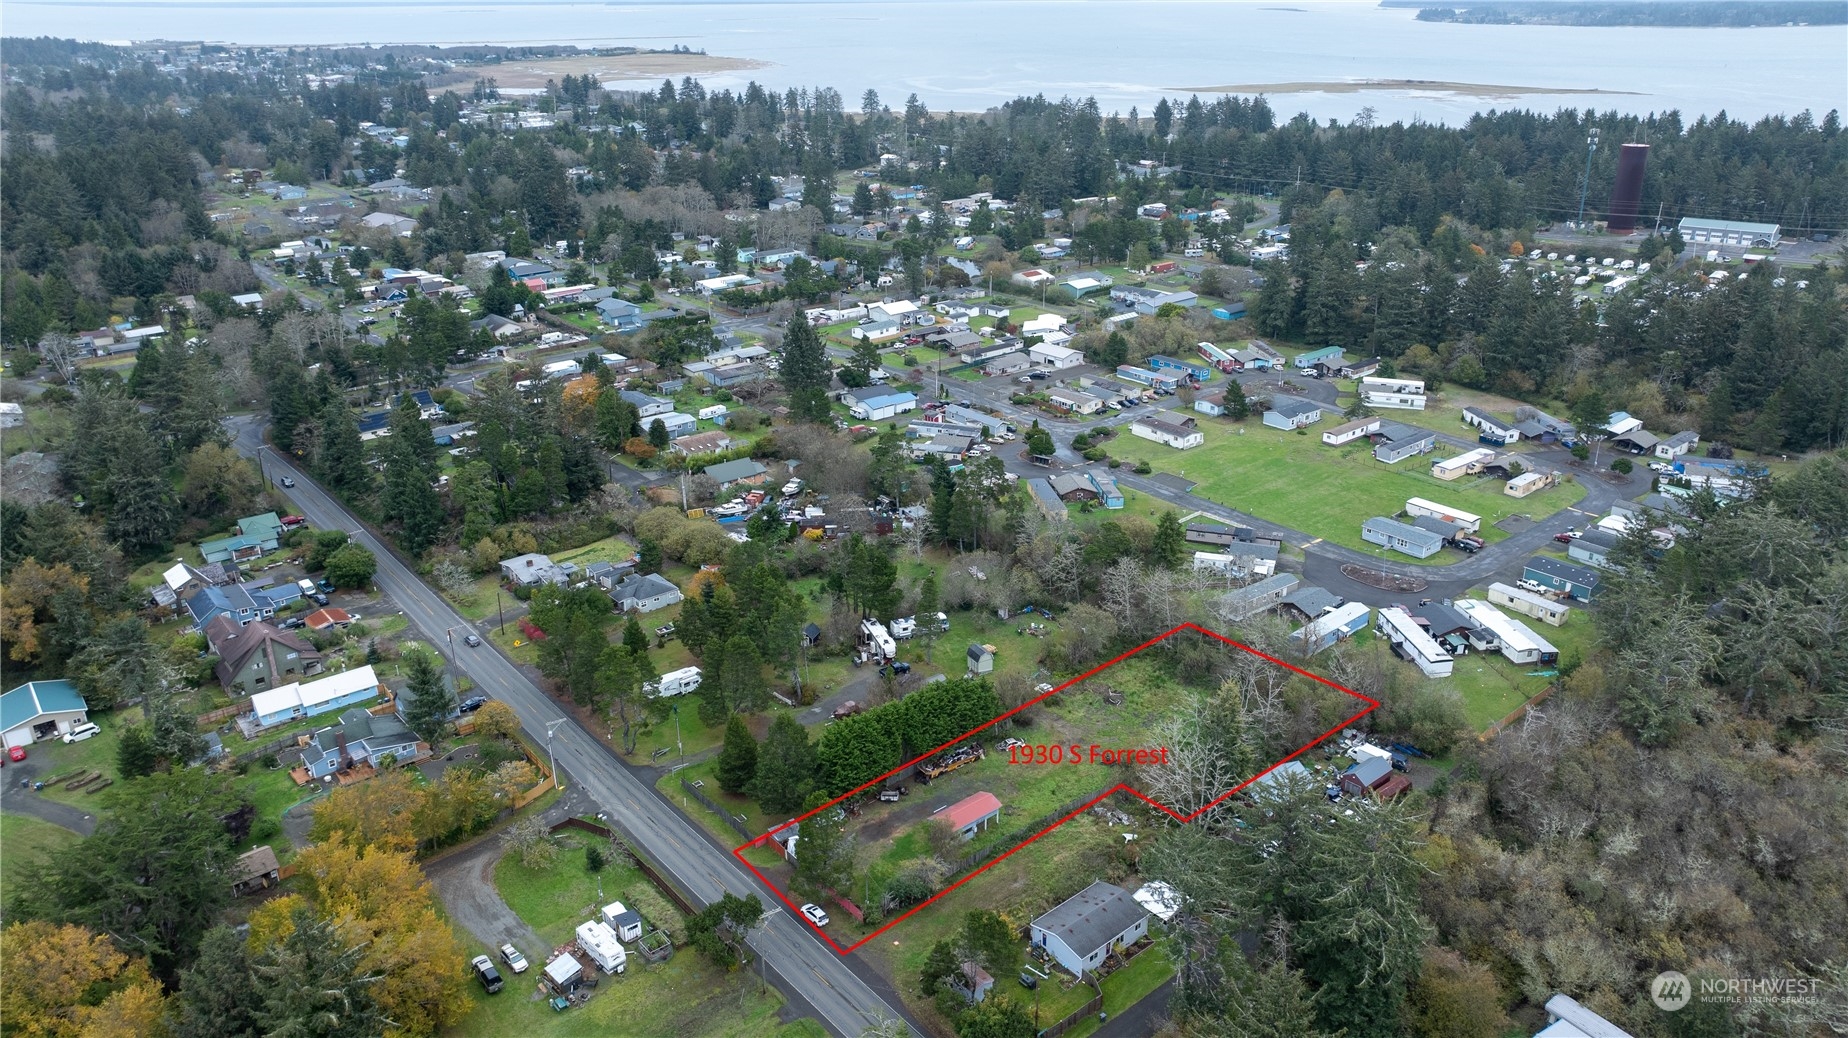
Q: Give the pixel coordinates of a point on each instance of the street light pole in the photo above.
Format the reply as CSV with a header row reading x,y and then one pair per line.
x,y
552,726
1585,186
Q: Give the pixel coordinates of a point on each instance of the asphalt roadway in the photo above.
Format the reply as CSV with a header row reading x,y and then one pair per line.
x,y
842,992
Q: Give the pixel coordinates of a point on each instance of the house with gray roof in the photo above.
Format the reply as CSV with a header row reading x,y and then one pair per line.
x,y
1285,413
1255,598
1080,932
359,738
644,593
732,473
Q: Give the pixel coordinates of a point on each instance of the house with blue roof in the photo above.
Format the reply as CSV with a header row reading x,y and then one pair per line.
x,y
233,600
39,710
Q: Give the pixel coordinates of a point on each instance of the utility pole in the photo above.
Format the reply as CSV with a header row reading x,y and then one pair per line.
x,y
550,727
1591,148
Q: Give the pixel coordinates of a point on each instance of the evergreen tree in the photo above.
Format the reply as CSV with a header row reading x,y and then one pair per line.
x,y
1169,547
432,704
713,704
657,434
943,962
1237,407
737,765
143,512
313,987
929,603
342,460
805,371
745,690
218,996
634,638
824,850
786,766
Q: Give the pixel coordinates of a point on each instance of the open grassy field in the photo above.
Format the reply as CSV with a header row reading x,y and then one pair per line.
x,y
1324,491
25,840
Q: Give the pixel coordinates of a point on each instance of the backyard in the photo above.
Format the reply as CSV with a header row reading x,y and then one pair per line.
x,y
1327,492
684,995
1492,687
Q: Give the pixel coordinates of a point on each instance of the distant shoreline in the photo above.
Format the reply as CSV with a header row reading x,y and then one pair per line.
x,y
528,73
1358,86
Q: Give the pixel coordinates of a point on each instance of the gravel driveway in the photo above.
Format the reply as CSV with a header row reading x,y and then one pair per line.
x,y
465,882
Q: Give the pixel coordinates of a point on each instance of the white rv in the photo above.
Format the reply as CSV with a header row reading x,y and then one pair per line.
x,y
876,641
600,943
673,683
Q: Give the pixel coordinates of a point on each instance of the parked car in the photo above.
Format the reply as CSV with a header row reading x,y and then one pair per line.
x,y
1028,980
471,640
1534,586
287,483
80,732
815,914
486,973
1025,379
292,623
16,754
473,703
512,957
325,585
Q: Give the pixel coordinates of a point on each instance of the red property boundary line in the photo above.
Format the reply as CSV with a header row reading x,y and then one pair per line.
x,y
795,910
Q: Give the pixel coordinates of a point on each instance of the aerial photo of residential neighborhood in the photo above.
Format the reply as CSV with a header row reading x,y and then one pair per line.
x,y
718,561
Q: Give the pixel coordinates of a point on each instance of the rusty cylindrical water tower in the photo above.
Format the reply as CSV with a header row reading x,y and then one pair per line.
x,y
1627,192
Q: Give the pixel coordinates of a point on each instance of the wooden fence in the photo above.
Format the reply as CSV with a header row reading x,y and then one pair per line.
x,y
211,718
1089,1009
736,825
1519,712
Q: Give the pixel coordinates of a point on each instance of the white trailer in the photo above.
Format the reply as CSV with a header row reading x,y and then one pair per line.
x,y
600,943
875,640
562,369
1421,506
674,683
904,627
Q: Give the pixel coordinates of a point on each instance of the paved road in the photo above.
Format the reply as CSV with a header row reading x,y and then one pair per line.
x,y
841,991
21,800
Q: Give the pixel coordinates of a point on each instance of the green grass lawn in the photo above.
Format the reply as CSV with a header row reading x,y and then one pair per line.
x,y
684,995
555,899
1130,985
1327,492
1492,687
96,753
25,840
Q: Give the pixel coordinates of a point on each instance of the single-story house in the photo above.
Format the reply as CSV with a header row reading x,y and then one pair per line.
x,y
1567,1019
742,471
1106,486
971,814
1173,428
1398,536
1073,487
1578,582
702,443
1148,377
1621,422
533,569
1213,406
877,403
1372,773
674,423
1529,483
497,326
1242,558
253,536
1411,642
1292,414
1047,498
1338,624
1677,445
256,656
1009,363
1148,301
1466,464
1417,441
1491,430
1074,401
360,738
647,406
41,710
644,593
1255,598
1526,603
1441,622
1497,630
1347,432
1253,360
1081,931
1197,372
878,331
1325,355
255,869
292,702
1593,548
1405,394
1456,517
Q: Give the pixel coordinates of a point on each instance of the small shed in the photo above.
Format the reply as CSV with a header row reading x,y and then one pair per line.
x,y
255,869
981,659
564,973
975,983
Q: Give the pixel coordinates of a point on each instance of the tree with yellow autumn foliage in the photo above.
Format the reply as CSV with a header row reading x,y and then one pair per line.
x,y
65,981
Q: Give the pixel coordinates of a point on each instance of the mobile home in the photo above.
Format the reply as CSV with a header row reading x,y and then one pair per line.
x,y
1421,506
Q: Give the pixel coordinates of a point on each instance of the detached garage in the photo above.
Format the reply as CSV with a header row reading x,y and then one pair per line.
x,y
39,710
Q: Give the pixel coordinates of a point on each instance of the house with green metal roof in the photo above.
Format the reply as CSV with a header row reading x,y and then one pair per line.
x,y
40,710
255,535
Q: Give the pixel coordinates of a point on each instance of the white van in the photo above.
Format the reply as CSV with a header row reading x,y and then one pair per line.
x,y
80,732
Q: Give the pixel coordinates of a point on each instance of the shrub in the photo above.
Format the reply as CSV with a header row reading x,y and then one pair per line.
x,y
1143,468
1116,463
1622,465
